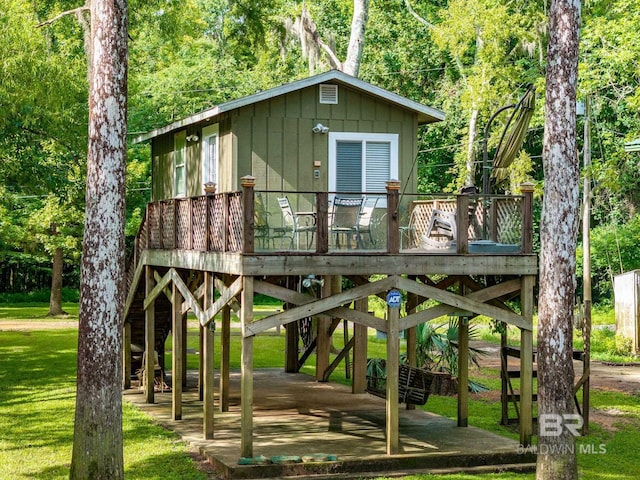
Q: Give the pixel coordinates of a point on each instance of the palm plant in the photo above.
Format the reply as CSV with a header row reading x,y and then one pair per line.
x,y
436,351
437,348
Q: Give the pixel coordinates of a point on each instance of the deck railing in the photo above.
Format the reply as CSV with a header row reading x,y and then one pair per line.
x,y
251,222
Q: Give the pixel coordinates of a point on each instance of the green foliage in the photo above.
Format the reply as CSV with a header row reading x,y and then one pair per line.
x,y
613,251
68,295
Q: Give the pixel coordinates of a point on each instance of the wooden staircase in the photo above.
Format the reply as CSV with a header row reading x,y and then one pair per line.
x,y
136,318
510,396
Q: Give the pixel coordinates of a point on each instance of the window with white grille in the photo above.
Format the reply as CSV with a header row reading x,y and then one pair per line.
x,y
362,162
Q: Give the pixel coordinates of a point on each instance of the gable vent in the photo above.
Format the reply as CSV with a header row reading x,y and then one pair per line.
x,y
328,93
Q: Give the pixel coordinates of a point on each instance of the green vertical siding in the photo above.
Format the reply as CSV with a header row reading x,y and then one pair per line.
x,y
272,140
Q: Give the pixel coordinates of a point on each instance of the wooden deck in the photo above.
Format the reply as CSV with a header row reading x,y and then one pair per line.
x,y
298,417
206,255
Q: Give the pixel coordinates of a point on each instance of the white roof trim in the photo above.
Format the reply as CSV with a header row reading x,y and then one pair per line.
x,y
633,146
425,114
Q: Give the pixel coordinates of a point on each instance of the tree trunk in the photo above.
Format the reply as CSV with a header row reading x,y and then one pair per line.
x,y
55,300
356,41
97,443
558,236
471,148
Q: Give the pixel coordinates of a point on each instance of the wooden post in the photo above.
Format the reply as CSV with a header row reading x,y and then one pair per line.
x,y
208,364
359,383
463,371
200,362
175,222
190,234
393,216
291,347
207,226
225,343
393,354
322,222
586,269
248,183
527,217
462,223
493,218
177,356
246,381
412,303
323,344
126,356
183,351
149,338
504,376
526,362
225,222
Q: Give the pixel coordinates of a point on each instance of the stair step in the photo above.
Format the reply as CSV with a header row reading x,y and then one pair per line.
x,y
516,373
516,397
510,351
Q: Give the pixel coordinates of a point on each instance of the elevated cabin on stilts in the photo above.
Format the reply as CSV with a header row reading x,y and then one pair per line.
x,y
287,192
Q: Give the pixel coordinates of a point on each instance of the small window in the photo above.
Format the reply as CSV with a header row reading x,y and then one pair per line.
x,y
328,93
180,164
362,162
210,155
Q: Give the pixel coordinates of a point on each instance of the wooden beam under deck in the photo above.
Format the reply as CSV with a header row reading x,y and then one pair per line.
x,y
288,263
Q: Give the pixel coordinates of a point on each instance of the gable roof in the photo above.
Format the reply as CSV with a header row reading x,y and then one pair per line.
x,y
425,114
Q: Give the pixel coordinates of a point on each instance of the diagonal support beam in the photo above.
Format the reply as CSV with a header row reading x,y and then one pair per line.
x,y
159,288
321,306
137,275
189,299
227,296
470,302
167,292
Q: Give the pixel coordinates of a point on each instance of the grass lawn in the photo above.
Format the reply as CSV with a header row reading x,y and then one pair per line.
x,y
37,401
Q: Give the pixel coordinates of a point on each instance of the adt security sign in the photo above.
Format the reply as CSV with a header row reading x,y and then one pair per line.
x,y
394,299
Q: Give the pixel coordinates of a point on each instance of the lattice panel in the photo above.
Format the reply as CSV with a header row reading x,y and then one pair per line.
x,y
183,221
476,217
198,223
509,213
168,224
155,234
216,222
143,235
236,222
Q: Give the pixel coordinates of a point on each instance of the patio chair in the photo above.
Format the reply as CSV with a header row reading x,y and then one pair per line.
x,y
344,219
261,229
442,231
293,224
365,217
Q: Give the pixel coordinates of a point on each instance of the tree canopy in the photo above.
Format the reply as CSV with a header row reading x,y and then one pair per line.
x,y
468,58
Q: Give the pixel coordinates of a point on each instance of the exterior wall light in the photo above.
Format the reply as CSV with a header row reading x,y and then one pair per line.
x,y
319,128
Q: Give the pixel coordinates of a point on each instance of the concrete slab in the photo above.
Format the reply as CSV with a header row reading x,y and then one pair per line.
x,y
295,416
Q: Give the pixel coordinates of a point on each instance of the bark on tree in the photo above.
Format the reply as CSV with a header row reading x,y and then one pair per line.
x,y
558,236
55,300
351,65
312,43
97,443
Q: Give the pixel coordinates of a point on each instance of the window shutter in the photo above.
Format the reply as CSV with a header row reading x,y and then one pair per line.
x,y
349,166
377,159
